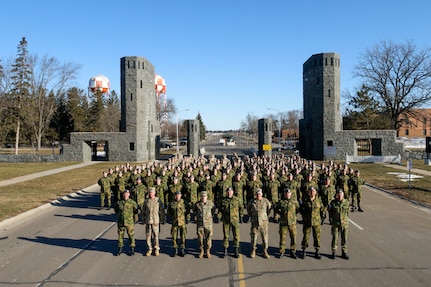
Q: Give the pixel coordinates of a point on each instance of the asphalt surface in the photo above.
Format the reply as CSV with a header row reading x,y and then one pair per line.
x,y
70,242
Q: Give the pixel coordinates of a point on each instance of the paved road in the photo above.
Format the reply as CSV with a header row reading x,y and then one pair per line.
x,y
71,243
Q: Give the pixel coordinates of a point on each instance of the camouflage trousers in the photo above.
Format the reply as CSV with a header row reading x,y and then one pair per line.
x,y
182,230
263,231
335,229
283,234
140,212
205,236
358,196
227,227
152,232
105,196
130,229
316,235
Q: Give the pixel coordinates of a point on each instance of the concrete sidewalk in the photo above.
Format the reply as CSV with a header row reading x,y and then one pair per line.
x,y
414,170
44,173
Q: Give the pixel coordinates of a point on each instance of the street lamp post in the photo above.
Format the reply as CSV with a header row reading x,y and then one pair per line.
x,y
178,143
279,127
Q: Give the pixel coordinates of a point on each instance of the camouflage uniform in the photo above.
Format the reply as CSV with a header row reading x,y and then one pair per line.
x,y
139,192
339,218
231,208
105,190
287,209
258,210
126,210
310,210
343,183
154,214
326,194
204,224
179,211
120,186
355,185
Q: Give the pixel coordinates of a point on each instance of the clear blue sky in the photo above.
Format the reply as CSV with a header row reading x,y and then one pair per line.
x,y
222,58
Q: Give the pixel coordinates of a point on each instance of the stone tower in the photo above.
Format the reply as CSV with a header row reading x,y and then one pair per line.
x,y
193,138
321,104
138,108
264,127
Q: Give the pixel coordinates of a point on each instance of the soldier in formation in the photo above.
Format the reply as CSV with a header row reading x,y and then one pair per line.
x,y
204,210
126,209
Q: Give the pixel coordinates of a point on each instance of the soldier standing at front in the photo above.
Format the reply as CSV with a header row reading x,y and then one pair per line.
x,y
179,211
154,213
287,208
231,208
311,209
258,210
126,208
204,210
105,190
339,218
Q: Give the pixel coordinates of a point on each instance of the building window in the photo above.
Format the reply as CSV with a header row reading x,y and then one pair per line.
x,y
326,61
424,132
131,146
131,97
425,121
141,84
329,93
406,132
139,65
330,143
332,61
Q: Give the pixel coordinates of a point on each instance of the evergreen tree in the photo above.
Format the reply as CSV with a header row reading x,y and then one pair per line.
x,y
202,128
21,76
96,112
112,113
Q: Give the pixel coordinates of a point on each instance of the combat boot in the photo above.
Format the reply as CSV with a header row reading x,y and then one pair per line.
x,y
236,252
253,253
201,253
148,253
120,250
281,253
303,253
225,253
317,254
265,254
156,253
344,255
360,209
293,254
176,252
208,253
132,251
240,219
332,255
182,252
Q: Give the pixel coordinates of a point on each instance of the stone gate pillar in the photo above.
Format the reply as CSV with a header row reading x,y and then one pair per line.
x,y
193,138
265,137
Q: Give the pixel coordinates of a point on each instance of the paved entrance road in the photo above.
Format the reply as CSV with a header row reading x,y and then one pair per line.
x,y
71,243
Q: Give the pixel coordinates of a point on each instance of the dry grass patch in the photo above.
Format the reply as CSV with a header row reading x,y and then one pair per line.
x,y
11,170
17,198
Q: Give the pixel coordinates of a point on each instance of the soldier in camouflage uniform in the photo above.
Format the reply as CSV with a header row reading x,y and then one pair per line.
x,y
231,208
287,209
311,209
238,185
154,214
120,185
126,208
355,185
339,218
343,183
179,210
326,193
273,187
139,192
105,190
191,189
204,210
258,210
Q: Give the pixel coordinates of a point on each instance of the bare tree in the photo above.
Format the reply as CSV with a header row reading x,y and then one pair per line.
x,y
50,79
398,77
250,124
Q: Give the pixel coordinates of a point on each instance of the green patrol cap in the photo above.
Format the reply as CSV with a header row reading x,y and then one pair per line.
x,y
152,189
204,193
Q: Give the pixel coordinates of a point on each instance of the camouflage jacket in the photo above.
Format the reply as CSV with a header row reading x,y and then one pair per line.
x,y
339,212
310,210
272,190
238,188
179,211
258,210
126,209
105,184
204,213
287,208
153,211
230,209
191,191
139,193
326,193
355,183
